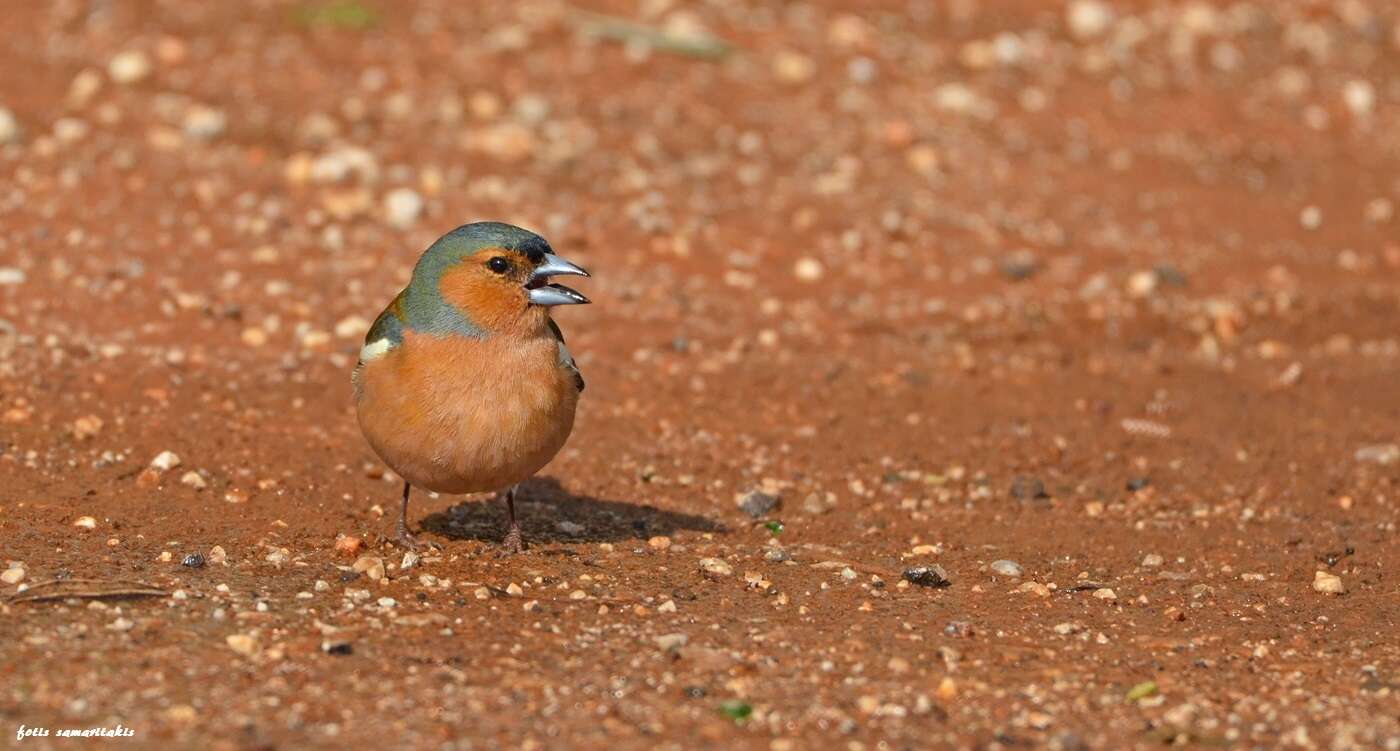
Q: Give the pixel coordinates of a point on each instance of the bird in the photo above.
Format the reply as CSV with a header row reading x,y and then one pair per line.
x,y
464,384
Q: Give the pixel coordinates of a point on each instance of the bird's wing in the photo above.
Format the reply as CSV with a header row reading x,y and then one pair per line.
x,y
566,359
385,333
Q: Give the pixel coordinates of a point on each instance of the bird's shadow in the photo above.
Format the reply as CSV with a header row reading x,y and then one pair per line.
x,y
549,513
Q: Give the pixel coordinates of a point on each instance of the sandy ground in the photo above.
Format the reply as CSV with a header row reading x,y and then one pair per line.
x,y
1094,307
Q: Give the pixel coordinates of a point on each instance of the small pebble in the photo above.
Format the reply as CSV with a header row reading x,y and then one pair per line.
x,y
12,575
402,207
1006,568
348,545
927,576
716,567
669,642
9,127
1330,584
243,644
165,460
758,504
85,522
1152,560
659,543
129,67
193,560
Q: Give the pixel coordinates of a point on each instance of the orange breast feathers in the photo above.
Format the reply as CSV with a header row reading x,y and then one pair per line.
x,y
462,415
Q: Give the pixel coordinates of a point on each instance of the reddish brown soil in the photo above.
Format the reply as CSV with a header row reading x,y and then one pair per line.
x,y
1185,220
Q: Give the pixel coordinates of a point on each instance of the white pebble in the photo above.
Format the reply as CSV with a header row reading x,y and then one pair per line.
x,y
165,460
402,206
1006,568
9,127
129,67
1088,18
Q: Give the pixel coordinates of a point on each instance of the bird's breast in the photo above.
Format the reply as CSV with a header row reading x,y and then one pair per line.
x,y
457,414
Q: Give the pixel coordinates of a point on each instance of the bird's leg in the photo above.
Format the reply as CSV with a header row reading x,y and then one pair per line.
x,y
513,543
402,536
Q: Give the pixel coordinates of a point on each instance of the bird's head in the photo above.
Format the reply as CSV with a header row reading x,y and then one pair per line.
x,y
496,276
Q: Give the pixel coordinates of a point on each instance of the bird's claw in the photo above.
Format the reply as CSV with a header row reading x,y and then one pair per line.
x,y
514,542
406,540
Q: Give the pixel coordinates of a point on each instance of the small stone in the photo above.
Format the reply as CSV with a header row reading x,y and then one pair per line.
x,y
351,327
192,479
410,559
165,461
668,606
1068,628
348,545
217,555
279,556
926,550
11,276
757,504
193,560
338,647
776,555
1028,489
659,543
1105,594
716,567
85,522
1088,18
927,576
12,575
243,644
1330,584
1142,283
203,123
402,207
386,602
1035,588
1383,454
129,67
1006,568
670,642
808,269
122,624
1152,560
87,427
9,127
793,67
514,590
369,565
1360,97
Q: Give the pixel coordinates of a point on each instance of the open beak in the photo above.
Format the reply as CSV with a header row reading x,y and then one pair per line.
x,y
541,292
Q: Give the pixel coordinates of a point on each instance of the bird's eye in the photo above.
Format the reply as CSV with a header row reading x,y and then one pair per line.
x,y
498,265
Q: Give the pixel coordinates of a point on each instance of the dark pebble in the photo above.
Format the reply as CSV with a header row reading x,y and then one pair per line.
x,y
193,560
337,648
1028,489
927,576
758,504
1138,483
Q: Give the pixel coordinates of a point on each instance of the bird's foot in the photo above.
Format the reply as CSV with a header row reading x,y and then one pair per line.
x,y
406,540
514,542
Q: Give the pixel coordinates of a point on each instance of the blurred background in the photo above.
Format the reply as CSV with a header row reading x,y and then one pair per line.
x,y
1079,286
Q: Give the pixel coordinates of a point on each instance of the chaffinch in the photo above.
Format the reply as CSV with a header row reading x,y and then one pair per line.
x,y
464,384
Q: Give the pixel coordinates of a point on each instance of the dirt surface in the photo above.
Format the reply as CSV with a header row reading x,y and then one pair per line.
x,y
1097,308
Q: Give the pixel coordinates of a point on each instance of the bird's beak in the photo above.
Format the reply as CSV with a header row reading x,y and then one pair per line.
x,y
541,292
